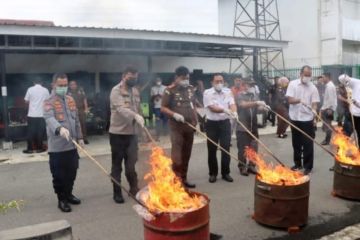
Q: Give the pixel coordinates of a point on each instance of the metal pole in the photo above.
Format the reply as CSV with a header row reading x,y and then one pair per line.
x,y
5,115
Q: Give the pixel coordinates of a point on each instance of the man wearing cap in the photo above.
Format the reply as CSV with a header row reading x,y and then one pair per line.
x,y
247,105
303,98
63,126
125,124
220,108
178,103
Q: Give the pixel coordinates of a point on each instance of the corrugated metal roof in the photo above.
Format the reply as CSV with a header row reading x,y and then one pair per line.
x,y
26,22
40,23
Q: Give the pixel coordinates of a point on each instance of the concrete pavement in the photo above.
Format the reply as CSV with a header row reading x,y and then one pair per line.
x,y
98,217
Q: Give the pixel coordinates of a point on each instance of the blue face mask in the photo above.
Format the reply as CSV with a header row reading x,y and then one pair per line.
x,y
61,91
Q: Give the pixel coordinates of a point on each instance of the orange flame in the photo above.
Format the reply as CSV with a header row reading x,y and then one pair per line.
x,y
165,190
275,175
347,151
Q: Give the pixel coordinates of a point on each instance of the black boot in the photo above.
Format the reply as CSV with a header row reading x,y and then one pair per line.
x,y
118,198
73,200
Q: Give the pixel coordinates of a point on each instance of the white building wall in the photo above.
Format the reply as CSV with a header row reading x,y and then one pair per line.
x,y
314,29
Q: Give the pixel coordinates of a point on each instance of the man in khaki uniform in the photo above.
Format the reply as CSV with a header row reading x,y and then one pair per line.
x,y
125,123
178,104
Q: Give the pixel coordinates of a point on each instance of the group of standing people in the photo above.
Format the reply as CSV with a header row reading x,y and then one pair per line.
x,y
35,97
225,110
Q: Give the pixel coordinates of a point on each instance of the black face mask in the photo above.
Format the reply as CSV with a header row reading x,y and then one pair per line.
x,y
131,82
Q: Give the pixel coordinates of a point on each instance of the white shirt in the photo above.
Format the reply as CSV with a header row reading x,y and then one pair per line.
x,y
36,96
308,94
221,99
330,97
157,90
354,85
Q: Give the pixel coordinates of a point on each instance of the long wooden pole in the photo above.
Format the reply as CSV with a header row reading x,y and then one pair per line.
x,y
301,131
216,144
101,167
260,142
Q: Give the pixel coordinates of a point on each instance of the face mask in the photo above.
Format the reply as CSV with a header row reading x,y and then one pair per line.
x,y
131,82
61,91
158,83
184,83
218,87
306,80
237,84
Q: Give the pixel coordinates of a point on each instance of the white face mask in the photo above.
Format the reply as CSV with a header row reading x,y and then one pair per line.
x,y
184,83
306,80
158,83
218,87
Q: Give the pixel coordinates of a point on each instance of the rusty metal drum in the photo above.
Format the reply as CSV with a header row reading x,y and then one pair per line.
x,y
346,181
192,225
281,206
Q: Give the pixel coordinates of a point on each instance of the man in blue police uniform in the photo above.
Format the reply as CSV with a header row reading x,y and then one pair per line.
x,y
62,125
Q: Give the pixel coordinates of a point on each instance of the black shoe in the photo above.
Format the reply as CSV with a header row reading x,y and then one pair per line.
x,y
212,178
118,198
39,151
307,171
244,171
86,141
64,206
252,169
73,200
296,168
189,184
324,142
27,151
331,169
227,178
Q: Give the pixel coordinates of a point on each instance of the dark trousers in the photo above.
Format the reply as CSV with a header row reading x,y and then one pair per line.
x,y
160,122
303,147
35,133
347,127
244,140
282,125
357,128
124,147
63,167
327,117
182,138
82,120
219,132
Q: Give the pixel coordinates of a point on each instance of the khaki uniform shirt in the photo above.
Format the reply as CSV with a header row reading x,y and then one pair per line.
x,y
124,105
180,100
79,97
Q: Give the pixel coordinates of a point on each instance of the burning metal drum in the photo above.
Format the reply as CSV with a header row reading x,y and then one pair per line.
x,y
346,180
281,206
193,225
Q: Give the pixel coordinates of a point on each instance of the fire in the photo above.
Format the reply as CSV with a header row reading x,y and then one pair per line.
x,y
347,151
165,190
274,175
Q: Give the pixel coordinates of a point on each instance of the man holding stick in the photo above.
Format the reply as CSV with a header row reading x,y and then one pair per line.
x,y
353,93
220,107
302,93
328,107
178,103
